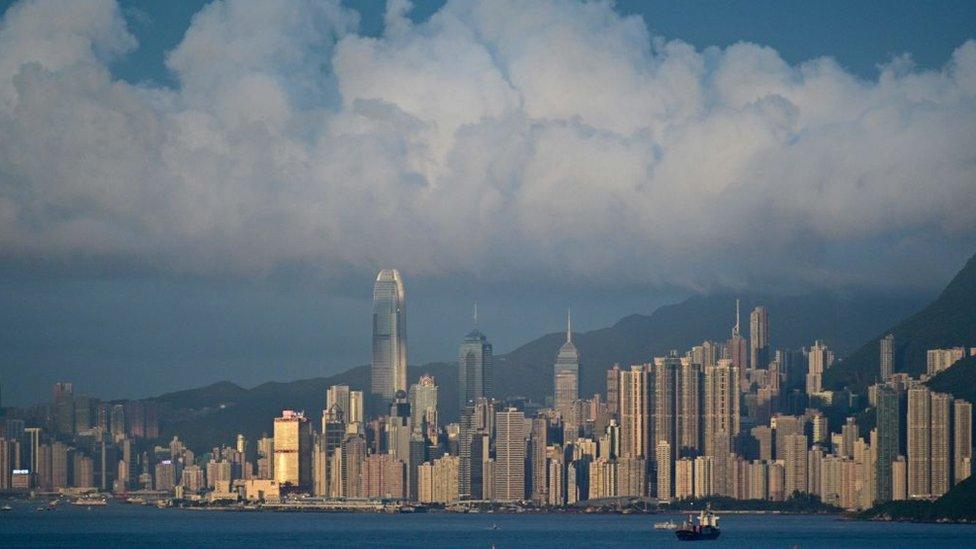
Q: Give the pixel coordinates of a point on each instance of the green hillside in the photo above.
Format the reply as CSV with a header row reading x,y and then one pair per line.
x,y
957,505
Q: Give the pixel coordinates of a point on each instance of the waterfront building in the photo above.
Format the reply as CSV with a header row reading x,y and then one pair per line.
x,y
795,464
293,450
962,440
383,477
509,470
919,443
684,479
940,444
665,466
888,426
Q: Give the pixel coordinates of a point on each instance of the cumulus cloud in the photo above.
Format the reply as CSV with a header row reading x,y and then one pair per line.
x,y
566,143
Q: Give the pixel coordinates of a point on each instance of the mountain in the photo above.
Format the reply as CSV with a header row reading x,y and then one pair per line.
x,y
216,413
843,321
948,321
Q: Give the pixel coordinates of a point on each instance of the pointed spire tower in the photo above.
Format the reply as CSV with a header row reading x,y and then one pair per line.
x,y
566,374
475,362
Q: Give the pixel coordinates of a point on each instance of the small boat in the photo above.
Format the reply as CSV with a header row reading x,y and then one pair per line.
x,y
494,527
89,502
669,525
704,528
6,508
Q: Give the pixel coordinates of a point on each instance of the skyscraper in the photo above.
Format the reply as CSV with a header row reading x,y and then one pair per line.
x,y
887,359
566,375
795,464
423,404
941,449
635,416
759,355
665,467
722,420
389,371
293,449
474,366
509,455
689,408
887,445
663,401
962,421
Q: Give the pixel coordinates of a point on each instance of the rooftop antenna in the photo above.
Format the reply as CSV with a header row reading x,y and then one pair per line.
x,y
735,330
475,314
569,325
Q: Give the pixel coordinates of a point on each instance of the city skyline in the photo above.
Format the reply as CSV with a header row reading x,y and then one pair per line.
x,y
450,273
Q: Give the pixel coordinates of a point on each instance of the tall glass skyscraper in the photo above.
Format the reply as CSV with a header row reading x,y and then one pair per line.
x,y
389,370
474,367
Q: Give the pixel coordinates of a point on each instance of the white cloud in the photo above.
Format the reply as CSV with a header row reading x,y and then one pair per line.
x,y
563,143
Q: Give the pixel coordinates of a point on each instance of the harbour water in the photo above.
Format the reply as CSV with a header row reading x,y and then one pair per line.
x,y
122,525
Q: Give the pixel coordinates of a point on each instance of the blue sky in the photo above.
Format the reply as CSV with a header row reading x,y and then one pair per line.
x,y
164,235
858,34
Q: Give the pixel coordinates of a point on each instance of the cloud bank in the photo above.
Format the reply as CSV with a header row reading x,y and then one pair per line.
x,y
564,143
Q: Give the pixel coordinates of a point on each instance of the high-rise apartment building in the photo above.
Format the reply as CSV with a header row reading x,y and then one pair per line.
x,y
722,421
665,470
389,368
635,416
941,447
962,440
613,391
795,464
689,408
937,360
919,442
664,400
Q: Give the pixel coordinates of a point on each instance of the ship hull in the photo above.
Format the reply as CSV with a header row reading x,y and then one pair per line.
x,y
698,535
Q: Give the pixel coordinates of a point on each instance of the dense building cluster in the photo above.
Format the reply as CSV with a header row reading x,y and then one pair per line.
x,y
734,418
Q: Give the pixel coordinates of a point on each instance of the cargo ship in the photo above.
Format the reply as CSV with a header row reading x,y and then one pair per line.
x,y
705,527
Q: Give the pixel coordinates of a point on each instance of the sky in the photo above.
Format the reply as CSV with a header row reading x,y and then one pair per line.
x,y
199,191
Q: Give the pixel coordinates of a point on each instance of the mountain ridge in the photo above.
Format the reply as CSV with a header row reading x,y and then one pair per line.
x,y
217,412
948,321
